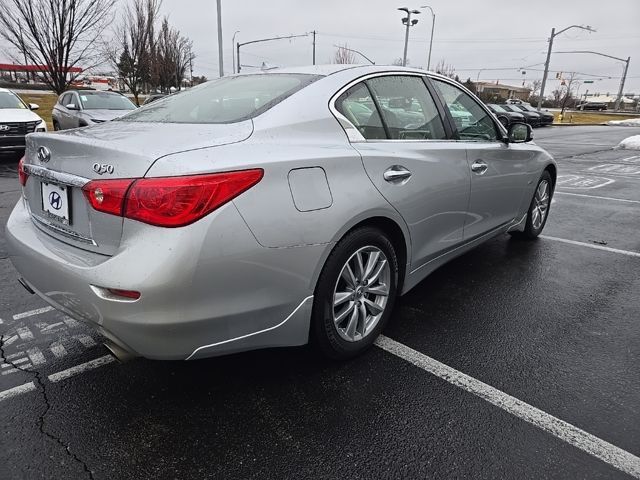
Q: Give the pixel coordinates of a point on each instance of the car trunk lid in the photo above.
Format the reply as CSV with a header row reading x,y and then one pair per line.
x,y
60,164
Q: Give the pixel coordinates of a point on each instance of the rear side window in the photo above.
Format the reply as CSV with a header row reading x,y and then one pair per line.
x,y
65,99
407,108
226,100
472,121
357,106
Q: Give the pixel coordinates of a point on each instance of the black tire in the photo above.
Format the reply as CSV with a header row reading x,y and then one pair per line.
x,y
532,231
56,127
324,331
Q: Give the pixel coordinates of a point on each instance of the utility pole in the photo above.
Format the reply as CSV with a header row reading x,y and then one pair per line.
x,y
409,23
624,72
314,47
191,66
233,50
554,34
220,62
624,78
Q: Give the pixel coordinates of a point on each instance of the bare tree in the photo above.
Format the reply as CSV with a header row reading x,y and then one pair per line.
x,y
444,68
343,55
172,56
58,34
398,62
130,53
569,83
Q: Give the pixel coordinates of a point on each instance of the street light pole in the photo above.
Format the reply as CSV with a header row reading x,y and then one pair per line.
x,y
433,27
260,41
220,62
233,48
548,60
409,23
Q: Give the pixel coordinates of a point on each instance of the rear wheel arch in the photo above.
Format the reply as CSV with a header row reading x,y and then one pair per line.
x,y
396,235
553,172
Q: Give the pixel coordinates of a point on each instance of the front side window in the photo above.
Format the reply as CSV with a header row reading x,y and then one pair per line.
x,y
408,110
472,121
226,100
105,101
10,100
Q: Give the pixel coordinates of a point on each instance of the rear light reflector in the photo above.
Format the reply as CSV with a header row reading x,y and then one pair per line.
x,y
22,175
107,195
180,201
132,294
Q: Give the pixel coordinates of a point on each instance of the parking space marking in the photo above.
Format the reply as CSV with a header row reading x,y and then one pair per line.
x,y
31,313
24,333
601,449
85,340
596,196
616,168
83,367
582,182
58,349
590,245
20,389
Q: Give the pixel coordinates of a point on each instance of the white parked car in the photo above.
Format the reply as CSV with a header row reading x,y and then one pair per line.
x,y
16,120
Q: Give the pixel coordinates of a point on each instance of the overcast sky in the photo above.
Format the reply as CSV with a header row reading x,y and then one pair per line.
x,y
476,37
469,34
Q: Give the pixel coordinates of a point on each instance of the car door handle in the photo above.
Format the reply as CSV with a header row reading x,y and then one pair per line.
x,y
397,174
479,167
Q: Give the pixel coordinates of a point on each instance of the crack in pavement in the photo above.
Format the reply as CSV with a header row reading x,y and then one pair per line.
x,y
40,383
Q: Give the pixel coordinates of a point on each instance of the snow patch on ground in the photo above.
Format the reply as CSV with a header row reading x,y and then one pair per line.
x,y
630,143
631,122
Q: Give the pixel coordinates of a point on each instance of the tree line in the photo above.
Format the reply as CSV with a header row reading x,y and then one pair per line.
x,y
140,45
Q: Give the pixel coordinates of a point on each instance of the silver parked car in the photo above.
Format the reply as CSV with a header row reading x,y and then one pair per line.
x,y
270,209
81,108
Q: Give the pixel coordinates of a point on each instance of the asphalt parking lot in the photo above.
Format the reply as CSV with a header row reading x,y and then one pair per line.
x,y
516,360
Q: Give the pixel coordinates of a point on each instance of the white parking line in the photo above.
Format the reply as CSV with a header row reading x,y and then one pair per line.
x,y
85,340
20,389
596,196
590,245
58,349
83,367
605,451
31,313
24,333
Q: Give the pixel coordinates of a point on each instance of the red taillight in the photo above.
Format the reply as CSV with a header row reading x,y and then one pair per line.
x,y
22,175
107,195
179,201
169,201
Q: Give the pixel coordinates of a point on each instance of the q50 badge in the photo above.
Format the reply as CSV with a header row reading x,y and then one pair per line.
x,y
102,168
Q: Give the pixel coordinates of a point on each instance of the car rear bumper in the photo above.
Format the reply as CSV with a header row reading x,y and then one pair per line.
x,y
206,289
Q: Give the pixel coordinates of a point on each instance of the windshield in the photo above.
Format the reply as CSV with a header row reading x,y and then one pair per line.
x,y
497,108
226,100
11,100
105,101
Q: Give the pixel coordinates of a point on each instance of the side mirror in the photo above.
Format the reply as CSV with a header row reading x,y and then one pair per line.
x,y
520,133
34,106
71,106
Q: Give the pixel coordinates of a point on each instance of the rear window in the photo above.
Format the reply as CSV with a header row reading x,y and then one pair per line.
x,y
105,101
226,100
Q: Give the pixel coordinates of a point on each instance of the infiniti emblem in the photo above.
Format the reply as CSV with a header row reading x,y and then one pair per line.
x,y
4,128
44,155
55,200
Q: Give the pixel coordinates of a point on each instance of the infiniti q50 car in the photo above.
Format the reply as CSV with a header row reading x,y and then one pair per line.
x,y
270,209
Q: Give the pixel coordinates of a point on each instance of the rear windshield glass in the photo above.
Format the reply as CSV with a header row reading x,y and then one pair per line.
x,y
9,100
105,101
226,100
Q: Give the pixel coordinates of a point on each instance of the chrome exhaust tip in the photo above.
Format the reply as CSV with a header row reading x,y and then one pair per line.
x,y
120,353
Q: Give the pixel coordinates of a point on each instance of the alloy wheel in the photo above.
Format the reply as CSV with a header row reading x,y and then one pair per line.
x,y
540,204
361,293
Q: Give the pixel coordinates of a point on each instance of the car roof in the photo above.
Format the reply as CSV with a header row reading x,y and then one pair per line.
x,y
326,70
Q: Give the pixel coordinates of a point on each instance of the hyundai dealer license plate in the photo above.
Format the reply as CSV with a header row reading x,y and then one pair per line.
x,y
55,202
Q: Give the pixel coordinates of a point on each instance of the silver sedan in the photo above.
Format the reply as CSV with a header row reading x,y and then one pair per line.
x,y
270,209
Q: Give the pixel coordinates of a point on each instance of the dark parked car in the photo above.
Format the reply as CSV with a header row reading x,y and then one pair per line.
x,y
505,117
598,106
546,118
532,118
153,97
